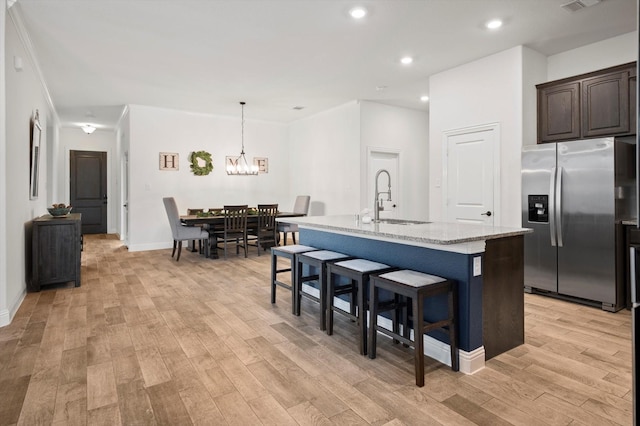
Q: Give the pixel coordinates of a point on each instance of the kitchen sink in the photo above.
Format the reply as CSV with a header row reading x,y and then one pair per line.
x,y
402,222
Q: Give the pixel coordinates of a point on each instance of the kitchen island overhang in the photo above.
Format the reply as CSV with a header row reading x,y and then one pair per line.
x,y
486,262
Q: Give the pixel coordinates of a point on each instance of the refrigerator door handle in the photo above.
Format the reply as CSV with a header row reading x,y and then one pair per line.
x,y
632,271
558,205
552,207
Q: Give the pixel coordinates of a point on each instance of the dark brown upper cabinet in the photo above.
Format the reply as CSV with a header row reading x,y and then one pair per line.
x,y
601,103
559,112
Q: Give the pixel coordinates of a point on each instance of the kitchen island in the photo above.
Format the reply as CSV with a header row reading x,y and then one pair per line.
x,y
486,261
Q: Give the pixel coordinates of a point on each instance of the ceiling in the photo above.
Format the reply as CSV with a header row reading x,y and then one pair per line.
x,y
207,55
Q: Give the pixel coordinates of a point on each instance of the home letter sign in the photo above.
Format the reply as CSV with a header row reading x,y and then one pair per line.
x,y
169,161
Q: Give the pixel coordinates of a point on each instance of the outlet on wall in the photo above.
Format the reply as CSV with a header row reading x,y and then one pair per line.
x,y
477,266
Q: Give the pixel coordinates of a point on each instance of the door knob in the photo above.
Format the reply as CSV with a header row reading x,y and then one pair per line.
x,y
487,213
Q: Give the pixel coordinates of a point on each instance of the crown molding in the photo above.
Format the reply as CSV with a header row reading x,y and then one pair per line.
x,y
16,17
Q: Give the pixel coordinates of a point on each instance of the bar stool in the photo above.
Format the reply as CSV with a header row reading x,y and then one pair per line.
x,y
358,271
318,260
288,252
417,286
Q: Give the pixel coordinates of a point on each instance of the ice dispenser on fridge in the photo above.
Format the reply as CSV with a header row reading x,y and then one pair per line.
x,y
538,208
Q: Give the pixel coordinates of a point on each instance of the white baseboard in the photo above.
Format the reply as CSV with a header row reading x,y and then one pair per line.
x,y
5,318
469,362
6,315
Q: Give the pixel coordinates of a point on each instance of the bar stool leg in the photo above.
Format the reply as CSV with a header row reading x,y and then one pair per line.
x,y
323,296
274,264
295,307
330,296
362,316
453,327
373,321
297,287
418,327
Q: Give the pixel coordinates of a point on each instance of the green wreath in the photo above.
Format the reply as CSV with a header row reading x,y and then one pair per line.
x,y
196,168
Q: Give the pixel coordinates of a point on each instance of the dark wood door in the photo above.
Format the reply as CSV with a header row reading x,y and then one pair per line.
x,y
605,105
559,112
89,189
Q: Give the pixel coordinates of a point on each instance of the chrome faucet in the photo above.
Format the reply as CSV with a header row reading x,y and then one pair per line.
x,y
377,203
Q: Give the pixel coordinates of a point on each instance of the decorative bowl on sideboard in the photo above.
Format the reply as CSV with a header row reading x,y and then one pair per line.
x,y
59,211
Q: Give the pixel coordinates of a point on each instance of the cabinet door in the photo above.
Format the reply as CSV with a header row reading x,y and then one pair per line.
x,y
57,247
605,105
559,112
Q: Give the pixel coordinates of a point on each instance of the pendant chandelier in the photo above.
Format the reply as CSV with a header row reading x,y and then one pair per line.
x,y
241,166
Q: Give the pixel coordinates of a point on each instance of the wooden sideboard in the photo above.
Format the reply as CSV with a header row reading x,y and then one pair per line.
x,y
56,248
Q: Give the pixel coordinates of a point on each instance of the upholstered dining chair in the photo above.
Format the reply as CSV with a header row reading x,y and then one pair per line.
x,y
264,233
235,229
301,206
180,232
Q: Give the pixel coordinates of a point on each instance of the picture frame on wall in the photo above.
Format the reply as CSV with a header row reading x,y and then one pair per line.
x,y
35,135
169,161
262,163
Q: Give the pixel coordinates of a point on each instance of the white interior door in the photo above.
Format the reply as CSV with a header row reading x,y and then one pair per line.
x,y
471,175
380,159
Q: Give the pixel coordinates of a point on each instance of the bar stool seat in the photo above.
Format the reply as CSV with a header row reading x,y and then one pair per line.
x,y
318,260
418,286
358,271
287,252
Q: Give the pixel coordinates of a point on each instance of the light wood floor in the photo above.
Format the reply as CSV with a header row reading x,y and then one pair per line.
x,y
146,340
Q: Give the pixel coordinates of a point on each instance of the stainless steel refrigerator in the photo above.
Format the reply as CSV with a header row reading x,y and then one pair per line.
x,y
573,194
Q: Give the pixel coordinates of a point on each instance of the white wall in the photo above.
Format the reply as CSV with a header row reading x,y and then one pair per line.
x,y
592,57
155,130
488,90
74,139
407,131
24,94
5,314
324,156
123,154
534,71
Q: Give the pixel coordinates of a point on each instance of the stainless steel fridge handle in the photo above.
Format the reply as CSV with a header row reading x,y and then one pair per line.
x,y
552,207
558,205
632,267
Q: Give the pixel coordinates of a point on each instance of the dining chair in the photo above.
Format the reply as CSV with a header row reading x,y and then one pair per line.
x,y
301,206
180,232
235,229
264,233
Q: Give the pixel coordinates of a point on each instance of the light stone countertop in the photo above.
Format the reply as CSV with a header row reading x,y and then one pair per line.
x,y
422,233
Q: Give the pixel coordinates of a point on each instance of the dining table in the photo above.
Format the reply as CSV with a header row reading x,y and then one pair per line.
x,y
215,220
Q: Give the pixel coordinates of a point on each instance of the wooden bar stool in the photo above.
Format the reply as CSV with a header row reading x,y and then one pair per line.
x,y
318,260
358,271
287,252
418,286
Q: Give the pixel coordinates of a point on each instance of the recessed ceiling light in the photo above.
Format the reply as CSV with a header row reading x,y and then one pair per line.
x,y
407,60
298,107
358,12
494,24
424,98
